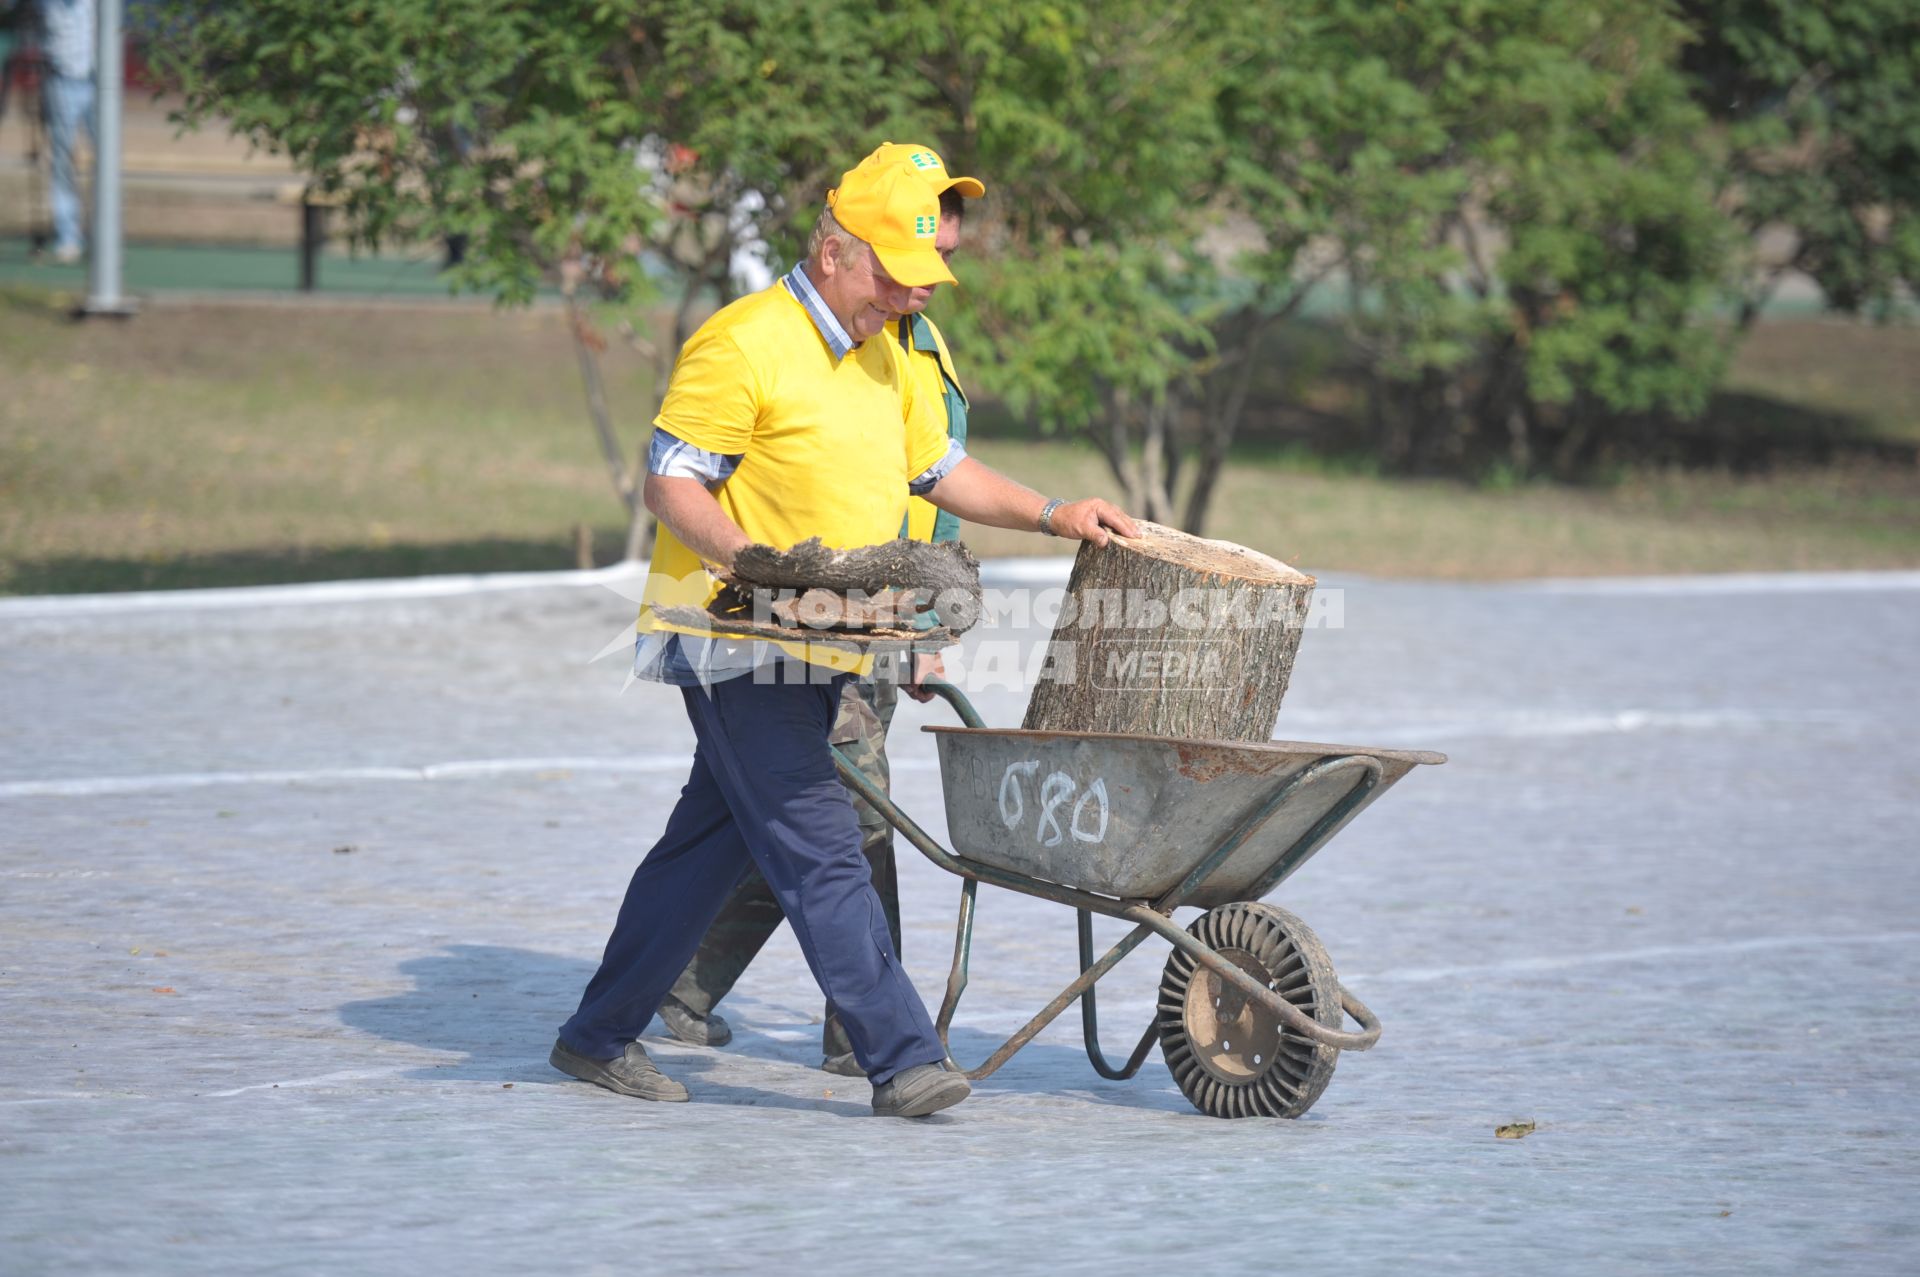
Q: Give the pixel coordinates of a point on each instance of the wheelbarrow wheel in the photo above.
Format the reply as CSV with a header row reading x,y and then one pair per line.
x,y
1230,1057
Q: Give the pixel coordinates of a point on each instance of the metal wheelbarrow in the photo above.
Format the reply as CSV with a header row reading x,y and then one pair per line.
x,y
1249,1014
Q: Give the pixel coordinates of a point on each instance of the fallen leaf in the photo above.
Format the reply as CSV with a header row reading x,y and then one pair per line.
x,y
159,953
163,988
133,951
1513,1131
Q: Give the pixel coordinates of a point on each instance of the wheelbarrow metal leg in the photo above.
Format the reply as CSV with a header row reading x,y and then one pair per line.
x,y
1128,943
962,951
1090,1018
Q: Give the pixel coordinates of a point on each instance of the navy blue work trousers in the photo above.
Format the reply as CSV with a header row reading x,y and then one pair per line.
x,y
763,787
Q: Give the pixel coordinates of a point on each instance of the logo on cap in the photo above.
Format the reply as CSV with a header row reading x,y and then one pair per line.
x,y
924,159
923,226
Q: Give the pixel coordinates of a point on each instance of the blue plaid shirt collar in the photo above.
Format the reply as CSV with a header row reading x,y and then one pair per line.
x,y
797,283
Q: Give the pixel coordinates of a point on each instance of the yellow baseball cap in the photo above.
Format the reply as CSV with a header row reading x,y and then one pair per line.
x,y
897,211
926,161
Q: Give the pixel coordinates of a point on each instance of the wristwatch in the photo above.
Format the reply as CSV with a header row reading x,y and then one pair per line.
x,y
1046,516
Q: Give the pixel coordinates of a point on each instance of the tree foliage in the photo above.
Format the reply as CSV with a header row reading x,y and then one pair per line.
x,y
1819,106
568,140
1524,211
1095,126
1511,193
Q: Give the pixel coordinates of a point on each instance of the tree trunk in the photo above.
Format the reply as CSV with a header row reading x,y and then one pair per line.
x,y
586,346
1171,635
1114,446
1223,422
1153,451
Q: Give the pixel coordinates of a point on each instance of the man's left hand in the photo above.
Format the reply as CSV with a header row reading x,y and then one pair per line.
x,y
1091,520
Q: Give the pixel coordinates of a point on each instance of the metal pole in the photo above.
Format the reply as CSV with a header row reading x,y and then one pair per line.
x,y
313,234
109,79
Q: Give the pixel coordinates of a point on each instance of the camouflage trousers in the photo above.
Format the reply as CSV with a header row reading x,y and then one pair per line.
x,y
751,914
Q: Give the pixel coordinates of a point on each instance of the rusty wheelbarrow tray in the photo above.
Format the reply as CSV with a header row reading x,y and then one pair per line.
x,y
1133,827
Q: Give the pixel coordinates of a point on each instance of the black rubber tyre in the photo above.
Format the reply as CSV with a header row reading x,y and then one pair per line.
x,y
1229,1057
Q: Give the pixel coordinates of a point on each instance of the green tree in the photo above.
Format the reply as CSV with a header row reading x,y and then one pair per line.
x,y
560,139
1820,110
1094,127
1512,194
565,140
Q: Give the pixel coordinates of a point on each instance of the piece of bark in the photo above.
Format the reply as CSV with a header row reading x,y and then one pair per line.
x,y
820,609
1167,634
944,577
946,573
702,621
827,609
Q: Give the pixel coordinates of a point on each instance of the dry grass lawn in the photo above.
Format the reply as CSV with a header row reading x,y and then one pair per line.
x,y
231,444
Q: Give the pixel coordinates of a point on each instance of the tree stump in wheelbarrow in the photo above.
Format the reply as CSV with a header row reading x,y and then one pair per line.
x,y
1167,634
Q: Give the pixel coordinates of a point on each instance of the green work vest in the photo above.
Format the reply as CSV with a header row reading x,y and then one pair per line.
x,y
916,333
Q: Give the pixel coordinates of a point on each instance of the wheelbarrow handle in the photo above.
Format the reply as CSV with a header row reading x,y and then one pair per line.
x,y
958,699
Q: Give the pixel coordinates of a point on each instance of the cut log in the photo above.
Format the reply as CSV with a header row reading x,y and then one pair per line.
x,y
1167,634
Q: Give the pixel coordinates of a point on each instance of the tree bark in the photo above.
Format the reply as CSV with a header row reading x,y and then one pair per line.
x,y
584,345
1171,635
1153,452
1223,422
1115,445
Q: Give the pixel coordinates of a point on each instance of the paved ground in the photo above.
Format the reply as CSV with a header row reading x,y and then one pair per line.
x,y
296,891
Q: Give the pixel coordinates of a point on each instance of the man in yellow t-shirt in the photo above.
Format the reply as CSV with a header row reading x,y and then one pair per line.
x,y
752,913
784,420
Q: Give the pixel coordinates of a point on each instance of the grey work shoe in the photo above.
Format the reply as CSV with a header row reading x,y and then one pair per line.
x,y
693,1028
845,1065
631,1073
920,1090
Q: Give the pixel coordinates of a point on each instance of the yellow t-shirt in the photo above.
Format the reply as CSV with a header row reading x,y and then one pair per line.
x,y
823,452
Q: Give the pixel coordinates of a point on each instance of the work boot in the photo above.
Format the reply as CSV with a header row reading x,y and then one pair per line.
x,y
844,1064
920,1090
630,1073
836,1048
693,1028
